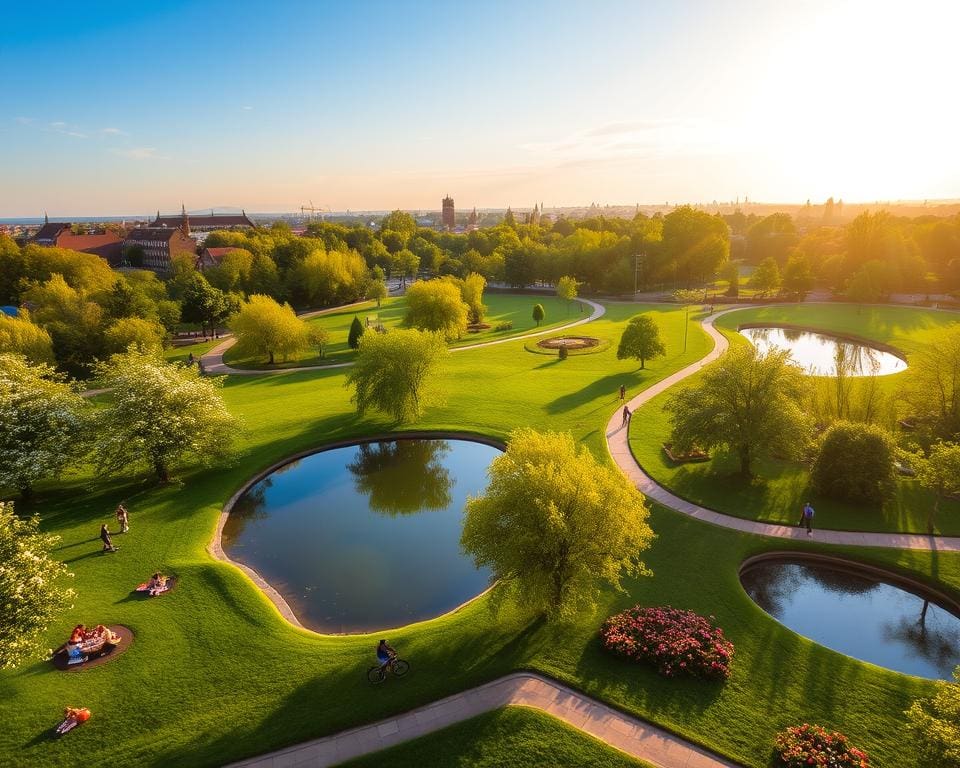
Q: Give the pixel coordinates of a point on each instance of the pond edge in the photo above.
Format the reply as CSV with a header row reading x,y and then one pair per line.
x,y
215,548
849,337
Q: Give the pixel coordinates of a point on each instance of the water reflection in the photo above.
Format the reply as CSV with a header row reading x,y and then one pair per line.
x,y
401,477
859,616
339,533
820,355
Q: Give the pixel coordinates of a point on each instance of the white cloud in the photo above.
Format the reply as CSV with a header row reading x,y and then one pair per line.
x,y
112,132
247,108
25,120
139,153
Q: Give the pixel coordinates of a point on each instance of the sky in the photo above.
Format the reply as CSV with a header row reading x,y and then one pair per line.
x,y
126,108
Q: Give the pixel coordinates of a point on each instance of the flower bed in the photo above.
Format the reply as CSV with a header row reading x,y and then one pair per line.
x,y
675,641
812,745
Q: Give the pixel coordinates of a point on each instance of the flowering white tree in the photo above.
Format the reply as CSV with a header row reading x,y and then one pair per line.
x,y
31,593
160,413
41,423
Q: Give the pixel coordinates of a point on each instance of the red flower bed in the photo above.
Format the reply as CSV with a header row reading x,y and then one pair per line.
x,y
811,745
675,641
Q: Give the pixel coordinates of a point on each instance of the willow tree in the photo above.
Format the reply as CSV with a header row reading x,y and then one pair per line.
x,y
266,328
396,373
746,402
437,305
554,524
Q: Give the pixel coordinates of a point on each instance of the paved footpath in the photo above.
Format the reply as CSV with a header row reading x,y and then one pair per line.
x,y
619,446
213,361
526,689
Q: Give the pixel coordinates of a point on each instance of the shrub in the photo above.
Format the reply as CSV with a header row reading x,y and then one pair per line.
x,y
855,462
806,745
563,353
504,326
356,331
675,641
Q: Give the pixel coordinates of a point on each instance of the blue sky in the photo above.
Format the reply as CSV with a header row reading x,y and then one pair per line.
x,y
129,107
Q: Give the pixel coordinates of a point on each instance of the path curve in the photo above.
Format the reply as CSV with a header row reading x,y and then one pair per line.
x,y
213,360
618,444
526,689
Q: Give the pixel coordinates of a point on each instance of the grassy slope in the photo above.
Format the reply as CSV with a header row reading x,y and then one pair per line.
x,y
214,674
517,309
782,487
514,737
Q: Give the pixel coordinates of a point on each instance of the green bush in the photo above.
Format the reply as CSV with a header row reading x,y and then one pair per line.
x,y
507,325
356,331
855,462
563,353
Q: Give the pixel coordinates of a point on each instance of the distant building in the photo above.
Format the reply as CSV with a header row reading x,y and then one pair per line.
x,y
159,245
211,257
473,222
448,217
203,223
107,245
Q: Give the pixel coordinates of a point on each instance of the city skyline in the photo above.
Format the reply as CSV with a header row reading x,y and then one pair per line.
x,y
373,107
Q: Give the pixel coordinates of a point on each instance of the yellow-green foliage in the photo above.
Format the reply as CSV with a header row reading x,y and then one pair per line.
x,y
19,336
266,328
436,305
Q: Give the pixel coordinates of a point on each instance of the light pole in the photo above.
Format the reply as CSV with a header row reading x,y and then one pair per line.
x,y
686,326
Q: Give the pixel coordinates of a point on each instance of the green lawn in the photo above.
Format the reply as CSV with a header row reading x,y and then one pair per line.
x,y
514,308
513,737
780,488
215,674
181,354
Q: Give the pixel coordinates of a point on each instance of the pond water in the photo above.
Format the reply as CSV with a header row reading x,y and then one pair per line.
x,y
859,616
365,537
817,353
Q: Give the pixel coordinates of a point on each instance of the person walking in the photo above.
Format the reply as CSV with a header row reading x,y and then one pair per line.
x,y
626,415
105,538
623,393
123,518
806,518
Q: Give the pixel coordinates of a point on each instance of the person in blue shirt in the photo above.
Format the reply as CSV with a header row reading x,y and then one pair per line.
x,y
807,518
385,654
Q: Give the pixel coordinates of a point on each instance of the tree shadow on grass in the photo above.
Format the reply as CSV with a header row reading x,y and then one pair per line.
x,y
605,389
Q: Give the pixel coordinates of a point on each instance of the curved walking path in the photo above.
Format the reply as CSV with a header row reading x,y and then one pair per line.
x,y
213,360
525,689
618,443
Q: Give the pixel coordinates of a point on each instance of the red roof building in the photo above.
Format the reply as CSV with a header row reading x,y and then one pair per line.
x,y
158,245
211,257
107,245
203,223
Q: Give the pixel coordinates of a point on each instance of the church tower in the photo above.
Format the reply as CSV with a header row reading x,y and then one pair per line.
x,y
185,221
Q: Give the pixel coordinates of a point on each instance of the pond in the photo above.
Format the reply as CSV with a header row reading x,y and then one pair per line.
x,y
858,615
818,353
365,537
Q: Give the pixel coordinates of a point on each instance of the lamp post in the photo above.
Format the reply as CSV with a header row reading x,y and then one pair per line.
x,y
686,326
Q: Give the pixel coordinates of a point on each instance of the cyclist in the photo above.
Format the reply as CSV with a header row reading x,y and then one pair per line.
x,y
385,653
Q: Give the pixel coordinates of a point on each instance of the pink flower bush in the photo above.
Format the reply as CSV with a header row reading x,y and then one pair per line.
x,y
675,641
811,745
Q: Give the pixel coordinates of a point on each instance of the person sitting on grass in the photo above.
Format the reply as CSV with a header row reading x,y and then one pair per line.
x,y
157,584
385,653
74,650
72,717
105,538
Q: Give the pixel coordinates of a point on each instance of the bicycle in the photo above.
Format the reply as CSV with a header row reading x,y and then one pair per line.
x,y
398,667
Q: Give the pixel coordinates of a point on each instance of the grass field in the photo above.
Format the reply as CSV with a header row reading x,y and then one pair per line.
x,y
780,488
502,308
215,674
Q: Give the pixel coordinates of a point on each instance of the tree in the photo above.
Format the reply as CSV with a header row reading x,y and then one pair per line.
x,y
538,314
567,289
641,340
325,278
436,305
855,462
797,276
377,289
160,413
406,263
931,384
472,293
233,272
553,523
143,334
935,722
745,402
31,590
317,337
731,273
868,284
939,472
204,304
766,277
396,373
42,424
19,336
264,327
356,331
